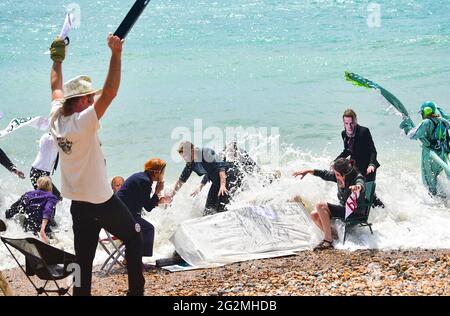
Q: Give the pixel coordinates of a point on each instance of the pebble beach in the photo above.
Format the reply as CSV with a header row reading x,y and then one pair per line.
x,y
330,273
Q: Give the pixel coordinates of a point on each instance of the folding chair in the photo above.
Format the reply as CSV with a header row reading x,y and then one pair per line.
x,y
363,211
115,249
44,261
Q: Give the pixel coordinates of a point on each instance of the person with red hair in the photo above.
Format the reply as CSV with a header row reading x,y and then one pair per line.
x,y
136,194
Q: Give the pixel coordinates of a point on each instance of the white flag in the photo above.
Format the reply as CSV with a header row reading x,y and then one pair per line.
x,y
67,26
39,122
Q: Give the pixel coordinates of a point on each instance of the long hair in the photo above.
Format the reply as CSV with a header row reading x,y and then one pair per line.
x,y
346,168
69,104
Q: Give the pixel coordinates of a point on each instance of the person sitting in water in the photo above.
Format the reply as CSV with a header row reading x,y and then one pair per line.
x,y
348,180
433,132
6,162
46,162
205,162
136,194
359,146
38,206
116,183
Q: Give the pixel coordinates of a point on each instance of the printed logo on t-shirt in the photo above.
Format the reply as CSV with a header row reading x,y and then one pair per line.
x,y
65,145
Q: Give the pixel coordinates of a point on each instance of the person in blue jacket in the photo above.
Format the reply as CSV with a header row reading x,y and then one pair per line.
x,y
136,194
224,178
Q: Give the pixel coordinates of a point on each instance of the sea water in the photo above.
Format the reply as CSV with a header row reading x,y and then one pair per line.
x,y
249,63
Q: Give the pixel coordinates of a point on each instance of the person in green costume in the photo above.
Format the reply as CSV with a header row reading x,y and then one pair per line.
x,y
433,132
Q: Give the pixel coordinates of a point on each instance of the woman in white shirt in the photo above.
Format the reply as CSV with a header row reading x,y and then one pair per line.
x,y
46,161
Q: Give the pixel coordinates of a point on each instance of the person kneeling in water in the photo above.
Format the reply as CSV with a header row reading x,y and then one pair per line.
x,y
348,180
224,177
38,208
136,193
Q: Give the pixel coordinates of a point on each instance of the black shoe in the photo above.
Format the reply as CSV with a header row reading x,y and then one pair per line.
x,y
175,259
377,203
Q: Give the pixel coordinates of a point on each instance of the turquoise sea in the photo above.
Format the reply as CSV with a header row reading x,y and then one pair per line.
x,y
249,63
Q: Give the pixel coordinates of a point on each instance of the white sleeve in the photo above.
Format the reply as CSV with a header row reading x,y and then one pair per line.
x,y
55,106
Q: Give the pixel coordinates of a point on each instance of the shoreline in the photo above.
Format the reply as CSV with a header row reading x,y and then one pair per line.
x,y
331,272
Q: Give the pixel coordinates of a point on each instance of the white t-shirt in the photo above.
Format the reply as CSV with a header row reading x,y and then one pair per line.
x,y
48,150
83,169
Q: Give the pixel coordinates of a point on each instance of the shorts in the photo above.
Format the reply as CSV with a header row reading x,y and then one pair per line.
x,y
338,211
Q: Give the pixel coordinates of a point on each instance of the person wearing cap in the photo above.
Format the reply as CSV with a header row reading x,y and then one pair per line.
x,y
207,164
433,133
136,194
6,162
348,180
359,146
74,123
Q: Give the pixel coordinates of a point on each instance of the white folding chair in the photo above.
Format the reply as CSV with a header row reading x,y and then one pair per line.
x,y
115,249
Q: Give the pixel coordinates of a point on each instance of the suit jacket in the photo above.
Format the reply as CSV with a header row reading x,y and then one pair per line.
x,y
364,151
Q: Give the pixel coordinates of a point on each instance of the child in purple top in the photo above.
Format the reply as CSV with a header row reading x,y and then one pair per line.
x,y
38,206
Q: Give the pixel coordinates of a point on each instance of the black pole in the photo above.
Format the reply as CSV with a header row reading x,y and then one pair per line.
x,y
131,18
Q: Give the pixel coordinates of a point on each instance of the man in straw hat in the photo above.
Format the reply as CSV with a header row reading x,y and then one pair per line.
x,y
74,122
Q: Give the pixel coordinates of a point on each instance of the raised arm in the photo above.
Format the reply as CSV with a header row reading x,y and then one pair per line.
x,y
112,83
57,54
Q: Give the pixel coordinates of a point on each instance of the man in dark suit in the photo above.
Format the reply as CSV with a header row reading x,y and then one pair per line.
x,y
358,144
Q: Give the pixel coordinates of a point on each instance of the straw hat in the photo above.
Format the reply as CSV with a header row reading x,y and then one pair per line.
x,y
78,87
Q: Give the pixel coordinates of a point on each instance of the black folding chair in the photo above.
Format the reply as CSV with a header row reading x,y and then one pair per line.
x,y
44,261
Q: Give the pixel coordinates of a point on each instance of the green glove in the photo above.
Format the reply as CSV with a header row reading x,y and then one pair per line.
x,y
58,50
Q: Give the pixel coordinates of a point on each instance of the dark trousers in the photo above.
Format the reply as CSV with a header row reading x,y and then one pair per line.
x,y
148,236
113,216
215,203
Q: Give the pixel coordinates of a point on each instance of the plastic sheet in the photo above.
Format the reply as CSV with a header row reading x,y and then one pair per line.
x,y
246,233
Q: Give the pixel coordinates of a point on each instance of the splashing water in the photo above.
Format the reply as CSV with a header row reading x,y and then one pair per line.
x,y
259,63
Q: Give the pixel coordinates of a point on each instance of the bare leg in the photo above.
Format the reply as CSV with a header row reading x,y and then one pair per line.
x,y
4,287
316,219
325,219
